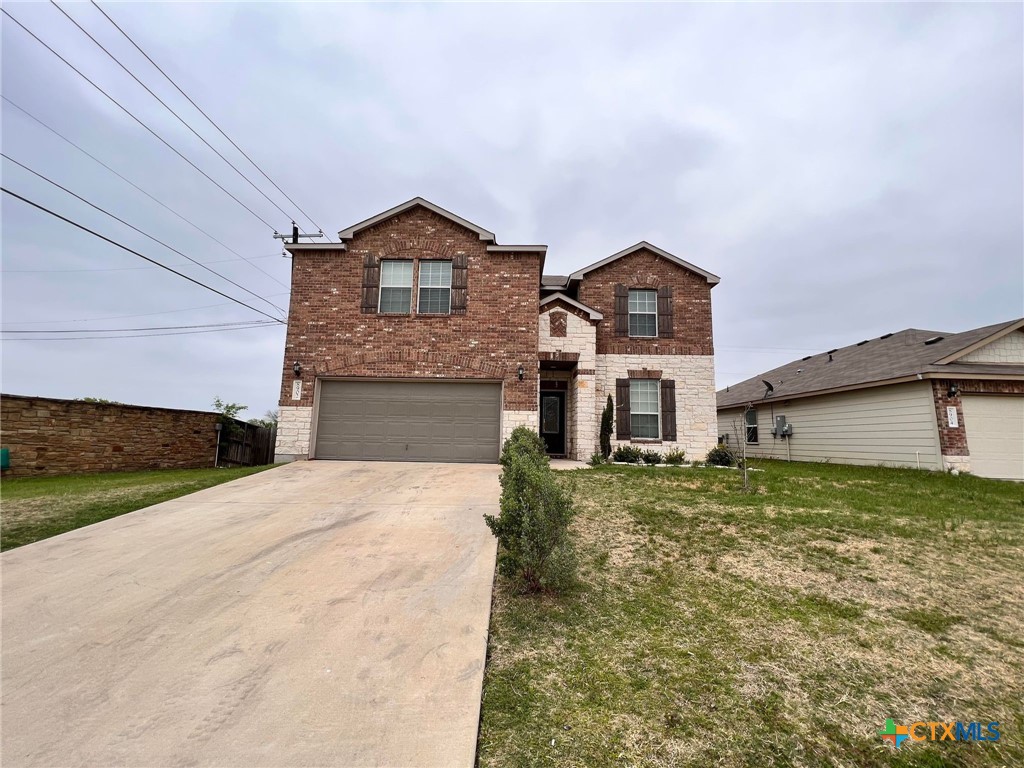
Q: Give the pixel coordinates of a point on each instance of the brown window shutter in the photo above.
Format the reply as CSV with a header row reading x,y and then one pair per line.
x,y
460,283
665,330
621,310
622,428
668,410
371,284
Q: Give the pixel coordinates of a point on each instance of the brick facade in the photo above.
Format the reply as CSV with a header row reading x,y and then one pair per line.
x,y
334,330
60,437
330,336
691,305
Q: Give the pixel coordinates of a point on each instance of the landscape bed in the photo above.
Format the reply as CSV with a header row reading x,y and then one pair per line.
x,y
783,626
35,508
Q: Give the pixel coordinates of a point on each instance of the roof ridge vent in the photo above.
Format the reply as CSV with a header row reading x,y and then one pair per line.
x,y
934,339
886,336
806,358
862,343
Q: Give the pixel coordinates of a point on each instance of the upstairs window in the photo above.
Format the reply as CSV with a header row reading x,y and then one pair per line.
x,y
395,287
643,408
435,287
643,313
750,422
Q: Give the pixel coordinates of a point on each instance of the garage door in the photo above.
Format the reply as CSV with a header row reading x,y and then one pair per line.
x,y
408,421
995,435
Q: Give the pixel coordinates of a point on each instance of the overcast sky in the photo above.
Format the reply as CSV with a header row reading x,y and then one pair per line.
x,y
848,170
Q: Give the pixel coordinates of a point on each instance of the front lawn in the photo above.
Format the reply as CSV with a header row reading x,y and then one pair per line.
x,y
34,508
774,628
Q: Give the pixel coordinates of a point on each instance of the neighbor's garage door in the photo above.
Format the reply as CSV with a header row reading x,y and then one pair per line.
x,y
995,435
408,421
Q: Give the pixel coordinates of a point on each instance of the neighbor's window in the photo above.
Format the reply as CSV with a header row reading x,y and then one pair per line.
x,y
643,313
395,287
435,287
750,421
643,408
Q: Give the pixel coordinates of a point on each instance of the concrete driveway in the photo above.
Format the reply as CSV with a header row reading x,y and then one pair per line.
x,y
320,613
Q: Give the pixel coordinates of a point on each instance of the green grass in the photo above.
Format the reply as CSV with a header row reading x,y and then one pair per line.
x,y
35,508
777,627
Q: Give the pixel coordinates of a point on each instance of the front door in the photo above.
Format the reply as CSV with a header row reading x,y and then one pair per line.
x,y
552,422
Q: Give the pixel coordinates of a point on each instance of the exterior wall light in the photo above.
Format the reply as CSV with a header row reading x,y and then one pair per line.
x,y
520,372
953,390
297,369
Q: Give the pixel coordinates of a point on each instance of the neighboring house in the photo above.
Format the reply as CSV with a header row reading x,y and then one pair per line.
x,y
916,398
419,338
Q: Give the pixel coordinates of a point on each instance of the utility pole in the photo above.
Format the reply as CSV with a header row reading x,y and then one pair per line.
x,y
295,235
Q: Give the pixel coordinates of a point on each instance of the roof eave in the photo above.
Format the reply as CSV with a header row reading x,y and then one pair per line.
x,y
594,314
712,278
348,234
1009,328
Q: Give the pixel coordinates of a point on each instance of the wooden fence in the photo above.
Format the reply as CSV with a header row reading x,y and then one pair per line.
x,y
246,445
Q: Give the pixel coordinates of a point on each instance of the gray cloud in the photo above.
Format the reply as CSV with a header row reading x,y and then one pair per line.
x,y
848,170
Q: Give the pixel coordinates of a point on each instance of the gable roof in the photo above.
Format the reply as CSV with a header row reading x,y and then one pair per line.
x,y
905,355
348,234
643,244
594,314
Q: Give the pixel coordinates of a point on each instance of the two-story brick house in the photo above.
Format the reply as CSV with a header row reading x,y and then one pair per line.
x,y
418,337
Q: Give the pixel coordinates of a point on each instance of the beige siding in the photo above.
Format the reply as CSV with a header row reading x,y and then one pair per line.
x,y
995,435
892,425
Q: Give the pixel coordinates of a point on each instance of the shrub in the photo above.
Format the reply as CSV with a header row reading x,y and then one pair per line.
x,y
720,456
523,442
628,454
651,457
596,459
606,428
534,548
675,458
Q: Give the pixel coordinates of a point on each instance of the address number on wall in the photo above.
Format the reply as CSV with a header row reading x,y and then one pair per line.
x,y
297,389
951,417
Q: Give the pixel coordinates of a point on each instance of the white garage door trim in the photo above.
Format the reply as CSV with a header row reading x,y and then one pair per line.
x,y
995,435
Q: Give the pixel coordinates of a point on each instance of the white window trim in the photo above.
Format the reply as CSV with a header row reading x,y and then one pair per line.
x,y
656,413
419,288
381,287
655,313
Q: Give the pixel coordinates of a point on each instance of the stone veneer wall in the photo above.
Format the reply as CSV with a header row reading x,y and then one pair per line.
x,y
60,437
696,412
294,428
579,337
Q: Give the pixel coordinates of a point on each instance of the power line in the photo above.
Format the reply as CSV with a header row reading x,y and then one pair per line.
x,y
114,269
210,119
167,107
140,335
240,323
136,119
136,253
59,135
123,317
141,232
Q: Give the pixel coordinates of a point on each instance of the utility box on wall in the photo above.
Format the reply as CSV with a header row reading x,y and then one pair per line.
x,y
782,427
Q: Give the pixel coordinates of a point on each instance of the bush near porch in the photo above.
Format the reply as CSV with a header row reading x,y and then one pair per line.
x,y
779,627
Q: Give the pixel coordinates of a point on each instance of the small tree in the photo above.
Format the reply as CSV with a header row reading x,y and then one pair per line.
x,y
228,415
607,417
534,549
269,420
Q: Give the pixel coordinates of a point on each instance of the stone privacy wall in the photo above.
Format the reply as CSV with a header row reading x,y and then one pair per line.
x,y
61,437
